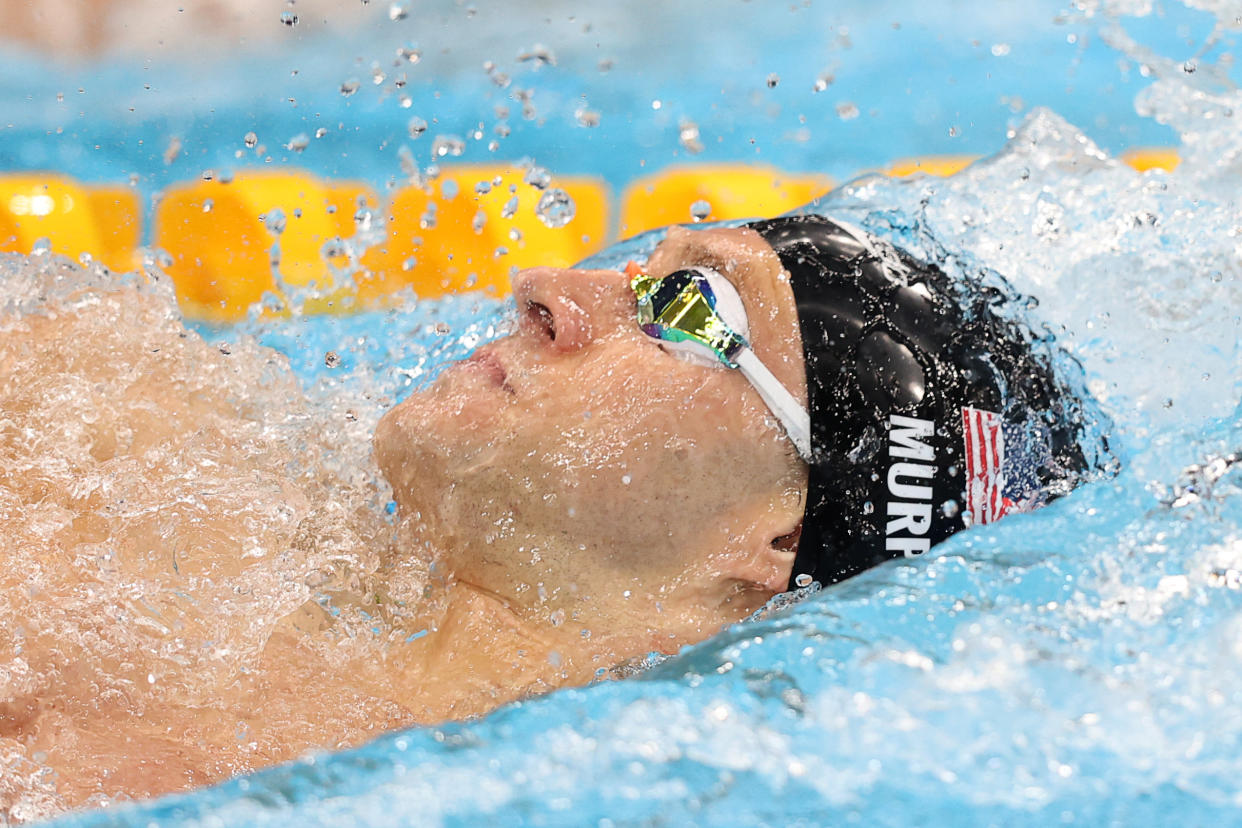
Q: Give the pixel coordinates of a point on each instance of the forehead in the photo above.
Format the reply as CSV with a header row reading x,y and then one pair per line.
x,y
738,253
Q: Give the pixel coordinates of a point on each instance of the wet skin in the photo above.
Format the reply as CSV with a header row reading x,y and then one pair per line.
x,y
570,497
598,490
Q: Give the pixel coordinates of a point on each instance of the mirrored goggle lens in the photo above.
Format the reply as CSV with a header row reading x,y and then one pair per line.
x,y
681,307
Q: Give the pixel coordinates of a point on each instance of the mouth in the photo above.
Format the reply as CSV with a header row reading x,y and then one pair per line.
x,y
489,365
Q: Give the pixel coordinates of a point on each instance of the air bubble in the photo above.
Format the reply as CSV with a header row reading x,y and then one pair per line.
x,y
587,117
299,142
803,580
555,208
349,87
289,18
398,10
416,126
250,140
822,83
510,208
322,131
331,359
773,80
847,111
700,210
950,508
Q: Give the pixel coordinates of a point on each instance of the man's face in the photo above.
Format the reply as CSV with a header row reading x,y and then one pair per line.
x,y
591,480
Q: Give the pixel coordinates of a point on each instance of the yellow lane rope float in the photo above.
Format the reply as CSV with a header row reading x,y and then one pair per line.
x,y
265,233
104,222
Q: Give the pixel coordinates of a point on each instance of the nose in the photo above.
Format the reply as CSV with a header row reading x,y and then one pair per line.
x,y
566,310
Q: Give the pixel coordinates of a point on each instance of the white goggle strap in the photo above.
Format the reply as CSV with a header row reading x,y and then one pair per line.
x,y
793,416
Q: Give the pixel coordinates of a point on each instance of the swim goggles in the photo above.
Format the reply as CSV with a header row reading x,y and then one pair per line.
x,y
699,316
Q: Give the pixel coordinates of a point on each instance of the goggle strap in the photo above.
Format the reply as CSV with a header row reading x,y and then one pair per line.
x,y
789,411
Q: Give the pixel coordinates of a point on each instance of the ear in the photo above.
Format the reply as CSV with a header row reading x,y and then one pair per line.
x,y
765,560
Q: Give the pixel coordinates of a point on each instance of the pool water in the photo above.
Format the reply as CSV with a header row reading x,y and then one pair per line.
x,y
1081,664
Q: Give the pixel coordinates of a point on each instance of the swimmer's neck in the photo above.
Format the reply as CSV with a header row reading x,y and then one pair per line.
x,y
485,649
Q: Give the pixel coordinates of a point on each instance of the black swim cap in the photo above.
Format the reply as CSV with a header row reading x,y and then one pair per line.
x,y
929,413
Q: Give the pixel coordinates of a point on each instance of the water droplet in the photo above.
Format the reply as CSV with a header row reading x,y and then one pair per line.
x,y
322,131
85,259
540,54
950,508
803,580
349,87
449,189
868,508
250,140
416,126
41,247
398,10
773,80
207,175
207,205
555,208
557,617
479,222
689,137
847,111
409,264
275,221
538,177
1000,49
331,359
954,131
443,329
173,150
510,208
298,142
700,210
1190,67
447,145
587,117
822,83
288,18
409,54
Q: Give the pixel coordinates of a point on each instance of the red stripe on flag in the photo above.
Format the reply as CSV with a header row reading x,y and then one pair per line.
x,y
985,458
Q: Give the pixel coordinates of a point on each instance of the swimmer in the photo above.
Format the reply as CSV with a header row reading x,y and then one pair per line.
x,y
651,456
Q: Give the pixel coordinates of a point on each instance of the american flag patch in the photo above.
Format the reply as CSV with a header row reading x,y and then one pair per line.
x,y
985,465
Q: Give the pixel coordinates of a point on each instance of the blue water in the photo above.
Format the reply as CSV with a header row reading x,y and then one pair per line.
x,y
1078,665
